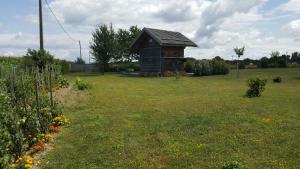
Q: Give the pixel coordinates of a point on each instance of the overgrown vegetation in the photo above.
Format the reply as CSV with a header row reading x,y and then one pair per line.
x,y
256,87
35,58
7,61
27,109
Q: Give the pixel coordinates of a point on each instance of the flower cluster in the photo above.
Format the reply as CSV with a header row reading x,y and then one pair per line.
x,y
54,128
25,162
60,121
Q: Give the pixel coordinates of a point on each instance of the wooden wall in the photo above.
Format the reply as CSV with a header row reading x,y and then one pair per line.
x,y
173,52
150,54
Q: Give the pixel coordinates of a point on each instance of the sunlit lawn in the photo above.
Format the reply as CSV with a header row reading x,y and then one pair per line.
x,y
192,122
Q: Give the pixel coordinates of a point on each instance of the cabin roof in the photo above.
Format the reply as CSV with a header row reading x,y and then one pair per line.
x,y
164,38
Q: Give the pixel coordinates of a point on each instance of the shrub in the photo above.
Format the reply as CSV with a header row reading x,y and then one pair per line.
x,y
189,66
213,67
256,87
277,79
220,67
63,82
203,68
80,84
234,165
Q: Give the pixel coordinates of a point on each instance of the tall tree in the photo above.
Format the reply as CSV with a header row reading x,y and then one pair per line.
x,y
239,52
103,45
123,46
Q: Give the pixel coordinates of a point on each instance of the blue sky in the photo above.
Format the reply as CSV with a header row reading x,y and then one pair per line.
x,y
215,25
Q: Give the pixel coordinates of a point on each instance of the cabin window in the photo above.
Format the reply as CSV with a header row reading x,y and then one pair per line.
x,y
150,40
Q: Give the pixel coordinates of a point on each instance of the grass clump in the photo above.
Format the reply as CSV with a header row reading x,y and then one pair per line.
x,y
234,165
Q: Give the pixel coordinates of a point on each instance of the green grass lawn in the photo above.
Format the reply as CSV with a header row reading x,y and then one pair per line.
x,y
192,122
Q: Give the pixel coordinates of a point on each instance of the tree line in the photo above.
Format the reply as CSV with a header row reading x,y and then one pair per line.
x,y
275,60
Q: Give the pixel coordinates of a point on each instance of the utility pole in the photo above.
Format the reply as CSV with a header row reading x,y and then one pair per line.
x,y
80,50
41,25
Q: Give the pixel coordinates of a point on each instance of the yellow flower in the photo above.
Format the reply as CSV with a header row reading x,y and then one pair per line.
x,y
28,166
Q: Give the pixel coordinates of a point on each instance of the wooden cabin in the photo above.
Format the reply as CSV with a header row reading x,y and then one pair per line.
x,y
161,51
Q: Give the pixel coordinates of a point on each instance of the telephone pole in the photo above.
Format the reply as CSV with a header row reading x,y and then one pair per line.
x,y
41,25
80,49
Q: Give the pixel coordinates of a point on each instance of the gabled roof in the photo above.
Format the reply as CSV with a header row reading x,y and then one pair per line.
x,y
165,38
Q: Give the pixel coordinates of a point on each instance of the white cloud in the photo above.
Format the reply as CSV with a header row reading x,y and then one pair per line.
x,y
291,6
215,14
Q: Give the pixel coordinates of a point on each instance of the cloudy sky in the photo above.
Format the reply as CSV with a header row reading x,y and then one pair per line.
x,y
215,25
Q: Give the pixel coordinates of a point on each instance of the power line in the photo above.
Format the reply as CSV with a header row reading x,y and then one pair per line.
x,y
59,23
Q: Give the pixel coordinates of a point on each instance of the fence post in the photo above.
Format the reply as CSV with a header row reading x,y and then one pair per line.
x,y
50,82
36,90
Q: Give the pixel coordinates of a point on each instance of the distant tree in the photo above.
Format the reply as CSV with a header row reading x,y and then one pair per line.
x,y
239,52
247,61
39,58
275,54
79,60
264,62
295,57
218,58
283,60
103,45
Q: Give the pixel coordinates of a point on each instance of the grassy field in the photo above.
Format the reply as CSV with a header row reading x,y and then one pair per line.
x,y
192,122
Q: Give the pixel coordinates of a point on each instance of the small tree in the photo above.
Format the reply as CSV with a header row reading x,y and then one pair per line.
x,y
239,52
103,45
39,58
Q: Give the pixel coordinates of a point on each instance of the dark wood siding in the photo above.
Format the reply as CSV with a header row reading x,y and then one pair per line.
x,y
177,52
172,59
150,54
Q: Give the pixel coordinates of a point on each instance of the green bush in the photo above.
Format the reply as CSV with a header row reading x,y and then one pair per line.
x,y
256,87
80,84
203,68
213,67
220,67
63,82
20,115
234,165
277,79
189,66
